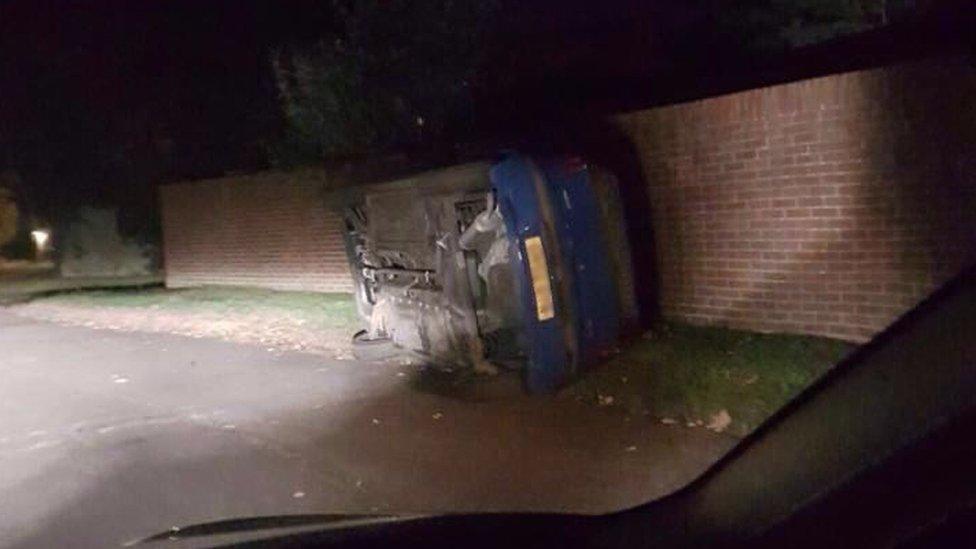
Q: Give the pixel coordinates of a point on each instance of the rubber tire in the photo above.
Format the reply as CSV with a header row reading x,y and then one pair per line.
x,y
373,350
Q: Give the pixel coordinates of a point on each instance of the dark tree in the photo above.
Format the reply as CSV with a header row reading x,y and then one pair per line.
x,y
391,74
765,26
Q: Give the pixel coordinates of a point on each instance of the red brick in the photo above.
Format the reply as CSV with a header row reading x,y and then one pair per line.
x,y
270,230
813,212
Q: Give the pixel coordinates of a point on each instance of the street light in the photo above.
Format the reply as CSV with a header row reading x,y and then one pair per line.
x,y
41,238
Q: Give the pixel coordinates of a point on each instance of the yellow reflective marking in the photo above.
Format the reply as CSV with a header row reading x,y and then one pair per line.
x,y
539,270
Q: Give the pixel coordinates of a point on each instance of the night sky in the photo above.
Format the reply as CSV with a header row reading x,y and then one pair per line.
x,y
107,98
186,79
190,79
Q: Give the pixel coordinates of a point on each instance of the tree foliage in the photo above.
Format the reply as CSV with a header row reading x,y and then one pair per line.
x,y
761,26
392,73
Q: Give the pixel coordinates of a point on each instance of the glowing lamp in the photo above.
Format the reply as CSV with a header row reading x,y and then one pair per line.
x,y
41,238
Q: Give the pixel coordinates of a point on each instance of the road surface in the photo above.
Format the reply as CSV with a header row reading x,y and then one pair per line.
x,y
109,436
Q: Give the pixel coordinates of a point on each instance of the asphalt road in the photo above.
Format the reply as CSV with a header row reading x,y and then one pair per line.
x,y
109,436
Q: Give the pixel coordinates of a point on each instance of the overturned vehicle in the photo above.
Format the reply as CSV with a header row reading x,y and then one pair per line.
x,y
521,263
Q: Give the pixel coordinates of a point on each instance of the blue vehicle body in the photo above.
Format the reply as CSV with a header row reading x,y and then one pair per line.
x,y
521,193
554,200
578,224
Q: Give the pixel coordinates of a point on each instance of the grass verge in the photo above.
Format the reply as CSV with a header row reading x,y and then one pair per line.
x,y
692,374
24,287
314,310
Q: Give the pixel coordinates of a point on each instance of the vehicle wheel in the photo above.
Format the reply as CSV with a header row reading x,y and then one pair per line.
x,y
373,349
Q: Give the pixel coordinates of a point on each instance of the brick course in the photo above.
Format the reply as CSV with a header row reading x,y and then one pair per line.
x,y
270,230
827,206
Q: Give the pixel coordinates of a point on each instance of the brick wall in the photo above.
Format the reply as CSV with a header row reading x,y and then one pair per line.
x,y
827,206
270,230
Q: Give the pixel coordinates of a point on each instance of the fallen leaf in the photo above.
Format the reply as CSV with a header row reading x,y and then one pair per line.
x,y
719,421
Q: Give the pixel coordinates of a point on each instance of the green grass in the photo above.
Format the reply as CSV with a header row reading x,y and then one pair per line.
x,y
21,287
316,309
689,373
